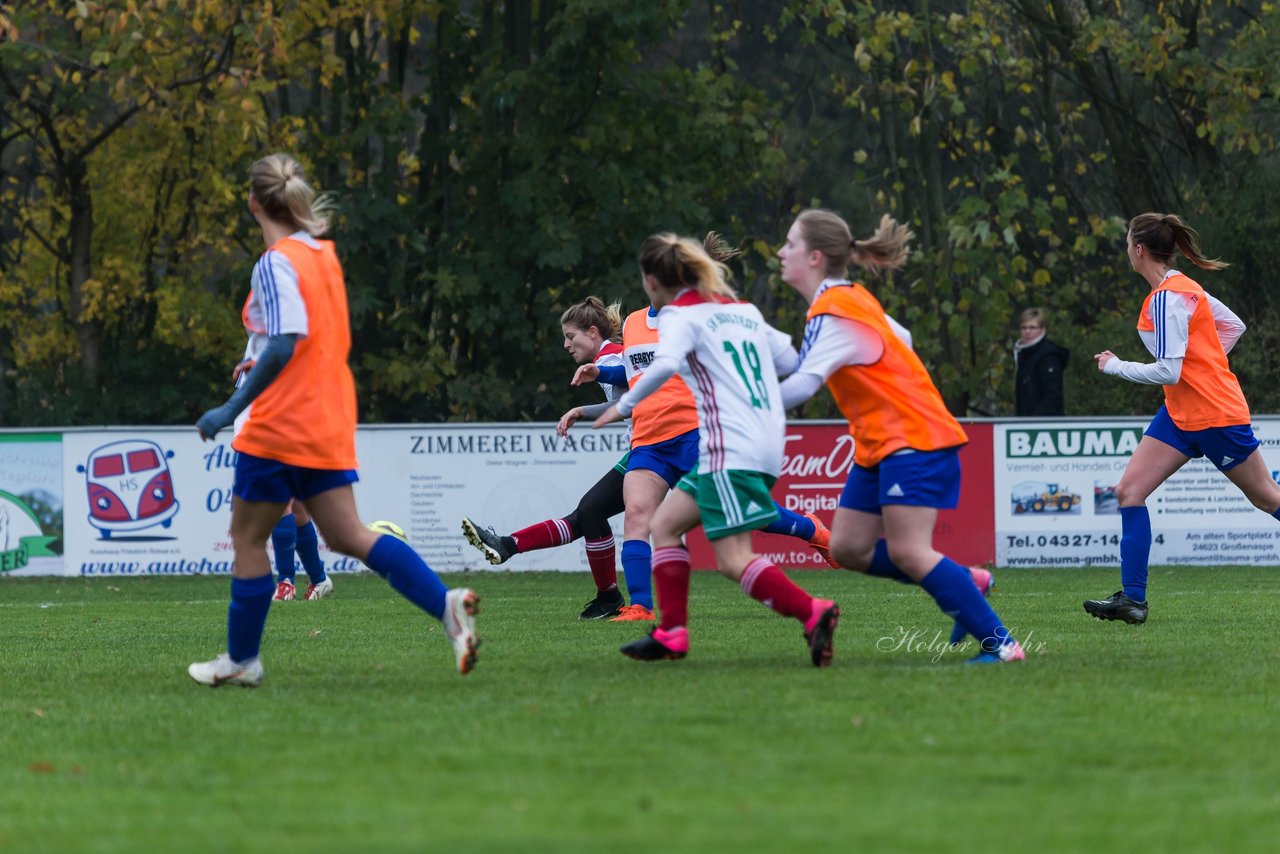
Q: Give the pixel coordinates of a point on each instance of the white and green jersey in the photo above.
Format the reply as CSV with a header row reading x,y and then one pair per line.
x,y
730,358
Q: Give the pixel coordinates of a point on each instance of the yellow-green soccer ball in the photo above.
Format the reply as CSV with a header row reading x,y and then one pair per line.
x,y
384,527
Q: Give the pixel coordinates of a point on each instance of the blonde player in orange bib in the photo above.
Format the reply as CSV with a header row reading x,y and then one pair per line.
x,y
298,436
1204,414
906,443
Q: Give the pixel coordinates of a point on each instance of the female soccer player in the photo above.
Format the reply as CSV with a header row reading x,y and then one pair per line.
x,y
298,439
591,334
664,447
295,533
730,358
1204,413
906,443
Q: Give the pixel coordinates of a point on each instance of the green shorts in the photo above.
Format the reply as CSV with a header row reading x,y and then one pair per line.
x,y
731,501
621,465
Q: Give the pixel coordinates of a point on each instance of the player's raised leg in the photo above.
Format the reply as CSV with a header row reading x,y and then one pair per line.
x,y
909,535
395,560
733,504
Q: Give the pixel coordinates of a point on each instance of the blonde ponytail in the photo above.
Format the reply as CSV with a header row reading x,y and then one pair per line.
x,y
278,183
677,263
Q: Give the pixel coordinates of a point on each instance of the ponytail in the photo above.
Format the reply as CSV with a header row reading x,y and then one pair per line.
x,y
828,233
887,249
1165,235
677,263
281,188
718,248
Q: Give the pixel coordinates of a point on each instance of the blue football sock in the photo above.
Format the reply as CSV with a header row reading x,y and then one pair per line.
x,y
247,615
1135,551
882,567
397,562
284,537
309,553
637,565
953,589
791,524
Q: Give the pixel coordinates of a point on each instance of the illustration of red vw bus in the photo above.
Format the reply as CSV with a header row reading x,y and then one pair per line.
x,y
130,487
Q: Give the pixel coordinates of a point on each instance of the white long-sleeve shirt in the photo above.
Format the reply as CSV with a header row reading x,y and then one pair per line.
x,y
730,358
1168,341
831,343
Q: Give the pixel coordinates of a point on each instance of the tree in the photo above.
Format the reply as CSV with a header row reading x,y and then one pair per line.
x,y
494,162
76,79
1009,136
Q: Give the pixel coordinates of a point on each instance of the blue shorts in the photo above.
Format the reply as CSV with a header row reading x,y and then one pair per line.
x,y
260,479
920,479
1225,447
670,460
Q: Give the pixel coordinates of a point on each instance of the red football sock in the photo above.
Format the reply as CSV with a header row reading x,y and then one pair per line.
x,y
544,535
765,583
604,568
671,570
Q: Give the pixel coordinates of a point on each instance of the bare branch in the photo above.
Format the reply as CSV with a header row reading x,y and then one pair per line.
x,y
219,61
43,118
102,135
26,226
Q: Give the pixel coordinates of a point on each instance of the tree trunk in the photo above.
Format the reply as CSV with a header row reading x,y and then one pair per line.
x,y
79,245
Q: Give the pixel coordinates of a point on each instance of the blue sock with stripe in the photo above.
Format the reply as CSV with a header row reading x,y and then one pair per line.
x,y
247,616
882,567
284,539
791,524
952,588
1135,551
637,566
397,562
309,553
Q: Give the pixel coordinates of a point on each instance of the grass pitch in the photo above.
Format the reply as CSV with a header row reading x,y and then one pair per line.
x,y
1154,737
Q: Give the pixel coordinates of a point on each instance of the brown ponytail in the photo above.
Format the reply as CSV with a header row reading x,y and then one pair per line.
x,y
1164,235
829,234
592,311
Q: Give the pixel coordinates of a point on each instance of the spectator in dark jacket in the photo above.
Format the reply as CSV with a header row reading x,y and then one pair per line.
x,y
1040,365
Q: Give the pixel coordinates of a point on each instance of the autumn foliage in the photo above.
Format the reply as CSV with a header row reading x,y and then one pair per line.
x,y
496,162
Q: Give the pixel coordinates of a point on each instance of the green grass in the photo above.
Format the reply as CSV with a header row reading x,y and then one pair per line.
x,y
1154,737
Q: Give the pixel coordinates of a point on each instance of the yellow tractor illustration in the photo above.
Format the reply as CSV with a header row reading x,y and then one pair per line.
x,y
1037,497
